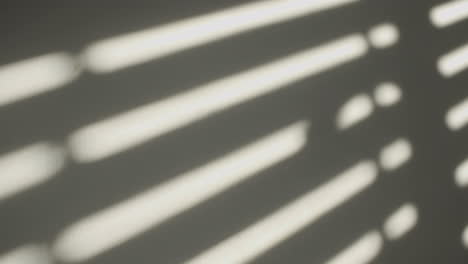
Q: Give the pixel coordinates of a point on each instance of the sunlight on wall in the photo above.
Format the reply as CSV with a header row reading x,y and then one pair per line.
x,y
139,47
23,79
121,132
290,219
356,109
361,251
29,166
449,13
387,94
121,222
383,35
395,154
28,254
457,116
401,221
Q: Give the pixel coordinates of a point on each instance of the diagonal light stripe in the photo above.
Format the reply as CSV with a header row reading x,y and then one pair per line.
x,y
117,224
30,77
395,154
27,167
27,254
401,221
355,110
290,219
453,62
449,13
362,251
119,133
457,116
142,46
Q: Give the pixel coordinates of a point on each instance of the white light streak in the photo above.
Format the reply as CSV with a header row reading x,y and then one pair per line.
x,y
117,224
383,35
453,62
119,133
449,13
401,221
362,251
146,45
288,220
28,254
396,154
387,94
27,167
461,174
355,110
457,116
30,77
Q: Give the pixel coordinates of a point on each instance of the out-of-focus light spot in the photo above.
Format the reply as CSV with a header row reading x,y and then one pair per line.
x,y
30,77
29,254
457,116
143,46
119,133
465,237
449,13
288,220
360,252
383,35
387,94
395,154
354,110
453,62
401,221
113,226
30,166
461,174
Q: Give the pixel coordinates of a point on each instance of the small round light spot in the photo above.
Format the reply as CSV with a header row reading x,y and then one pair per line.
x,y
383,35
387,94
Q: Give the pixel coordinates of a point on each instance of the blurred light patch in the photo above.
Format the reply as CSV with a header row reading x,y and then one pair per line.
x,y
449,13
146,45
465,237
387,94
401,221
453,62
119,133
383,35
31,77
355,110
290,219
362,251
113,226
457,116
396,154
461,174
28,254
27,167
